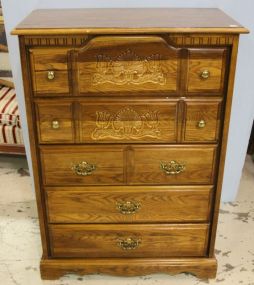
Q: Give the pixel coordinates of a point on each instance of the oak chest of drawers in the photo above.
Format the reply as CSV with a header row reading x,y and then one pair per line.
x,y
128,113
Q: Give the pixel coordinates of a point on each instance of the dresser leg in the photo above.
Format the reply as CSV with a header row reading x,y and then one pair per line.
x,y
203,268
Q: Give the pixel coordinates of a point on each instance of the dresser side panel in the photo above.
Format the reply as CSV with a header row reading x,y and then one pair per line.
x,y
30,113
229,96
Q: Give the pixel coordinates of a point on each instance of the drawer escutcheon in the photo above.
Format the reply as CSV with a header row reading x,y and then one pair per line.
x,y
51,75
83,168
129,243
205,74
128,207
172,167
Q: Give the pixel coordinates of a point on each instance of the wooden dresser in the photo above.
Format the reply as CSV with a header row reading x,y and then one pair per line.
x,y
128,113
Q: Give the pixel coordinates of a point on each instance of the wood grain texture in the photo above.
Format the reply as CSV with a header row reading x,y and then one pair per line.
x,y
110,59
212,60
129,64
58,85
58,161
128,120
155,240
30,113
83,21
202,268
209,111
49,59
155,204
224,140
145,168
47,113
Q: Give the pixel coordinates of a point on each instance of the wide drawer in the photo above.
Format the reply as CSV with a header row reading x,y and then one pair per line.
x,y
153,240
128,120
163,164
82,165
128,204
108,65
133,164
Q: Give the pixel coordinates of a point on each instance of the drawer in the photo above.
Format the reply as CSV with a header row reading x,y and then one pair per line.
x,y
58,84
82,165
153,240
50,71
55,122
176,164
125,120
202,120
49,59
110,65
206,70
111,121
128,204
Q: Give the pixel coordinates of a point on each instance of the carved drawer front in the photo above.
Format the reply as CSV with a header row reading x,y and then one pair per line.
x,y
50,71
127,204
153,240
55,122
206,71
128,121
82,165
133,64
202,120
172,164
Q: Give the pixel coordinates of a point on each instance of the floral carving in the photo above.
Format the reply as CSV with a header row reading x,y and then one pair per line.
x,y
129,68
126,124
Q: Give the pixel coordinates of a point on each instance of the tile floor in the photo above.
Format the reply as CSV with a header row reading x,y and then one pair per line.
x,y
20,248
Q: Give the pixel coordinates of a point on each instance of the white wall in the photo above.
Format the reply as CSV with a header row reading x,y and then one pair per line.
x,y
243,103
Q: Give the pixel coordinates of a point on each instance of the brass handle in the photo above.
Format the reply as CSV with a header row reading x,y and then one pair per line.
x,y
172,167
83,168
129,243
128,207
55,124
201,124
51,75
205,74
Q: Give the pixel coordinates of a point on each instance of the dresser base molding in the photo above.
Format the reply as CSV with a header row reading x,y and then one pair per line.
x,y
203,268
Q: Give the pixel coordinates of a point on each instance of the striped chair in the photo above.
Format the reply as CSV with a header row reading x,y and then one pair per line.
x,y
11,140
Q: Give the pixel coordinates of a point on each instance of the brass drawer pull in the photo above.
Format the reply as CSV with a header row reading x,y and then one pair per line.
x,y
172,167
55,124
129,243
51,75
128,207
83,168
205,74
201,124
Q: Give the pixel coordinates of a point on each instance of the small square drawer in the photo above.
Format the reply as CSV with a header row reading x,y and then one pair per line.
x,y
50,71
55,122
172,165
129,204
202,120
152,240
206,71
82,165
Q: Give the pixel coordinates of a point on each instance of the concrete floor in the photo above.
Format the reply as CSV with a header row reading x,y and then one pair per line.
x,y
20,248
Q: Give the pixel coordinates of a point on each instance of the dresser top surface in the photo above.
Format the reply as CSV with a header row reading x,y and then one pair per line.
x,y
134,20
